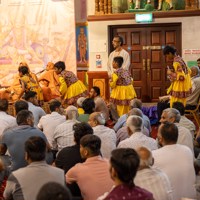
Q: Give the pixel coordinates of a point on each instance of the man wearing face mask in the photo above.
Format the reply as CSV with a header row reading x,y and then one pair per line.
x,y
107,135
15,138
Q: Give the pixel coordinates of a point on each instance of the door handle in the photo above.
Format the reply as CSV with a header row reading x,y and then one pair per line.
x,y
144,64
148,66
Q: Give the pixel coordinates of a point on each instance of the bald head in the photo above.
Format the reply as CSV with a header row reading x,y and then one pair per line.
x,y
135,111
96,118
71,112
146,159
50,66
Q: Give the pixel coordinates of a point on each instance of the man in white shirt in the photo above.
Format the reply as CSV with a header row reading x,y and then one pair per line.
x,y
152,179
184,121
6,121
49,122
119,51
107,135
176,161
64,135
184,136
38,112
137,138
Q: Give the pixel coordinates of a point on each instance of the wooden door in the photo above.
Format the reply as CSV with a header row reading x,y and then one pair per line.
x,y
148,66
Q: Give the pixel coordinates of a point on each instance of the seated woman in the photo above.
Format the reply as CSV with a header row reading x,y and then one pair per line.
x,y
70,87
29,84
49,83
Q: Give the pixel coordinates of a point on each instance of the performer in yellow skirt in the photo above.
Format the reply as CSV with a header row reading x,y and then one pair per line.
x,y
70,87
29,83
179,75
122,87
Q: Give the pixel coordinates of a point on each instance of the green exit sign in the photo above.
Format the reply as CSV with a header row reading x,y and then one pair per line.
x,y
147,17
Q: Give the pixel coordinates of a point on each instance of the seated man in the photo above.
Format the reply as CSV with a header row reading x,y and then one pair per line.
x,y
124,164
49,82
6,121
92,176
100,105
20,182
107,135
152,179
136,137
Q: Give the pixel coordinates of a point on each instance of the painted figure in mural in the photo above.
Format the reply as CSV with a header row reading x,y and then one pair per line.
x,y
70,87
119,51
82,45
181,85
17,46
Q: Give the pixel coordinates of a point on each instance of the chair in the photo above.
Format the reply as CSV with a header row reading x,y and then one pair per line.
x,y
194,113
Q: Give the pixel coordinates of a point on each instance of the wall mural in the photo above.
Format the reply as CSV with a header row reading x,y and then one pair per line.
x,y
36,32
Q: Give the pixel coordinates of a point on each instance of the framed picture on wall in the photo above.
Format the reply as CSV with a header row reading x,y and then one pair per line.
x,y
82,44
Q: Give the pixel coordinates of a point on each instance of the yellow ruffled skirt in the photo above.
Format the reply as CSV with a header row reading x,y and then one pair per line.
x,y
74,91
121,97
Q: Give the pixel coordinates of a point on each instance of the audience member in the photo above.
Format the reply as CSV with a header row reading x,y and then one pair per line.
x,y
176,161
193,100
3,157
88,106
137,138
26,182
122,133
135,103
100,105
7,121
20,105
107,135
69,156
49,122
152,179
123,168
53,191
184,136
92,176
79,105
184,121
64,135
15,138
38,112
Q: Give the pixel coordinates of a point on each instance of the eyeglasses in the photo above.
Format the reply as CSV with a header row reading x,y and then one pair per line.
x,y
115,41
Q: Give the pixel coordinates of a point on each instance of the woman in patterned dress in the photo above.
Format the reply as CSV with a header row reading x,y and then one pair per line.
x,y
179,75
70,87
122,87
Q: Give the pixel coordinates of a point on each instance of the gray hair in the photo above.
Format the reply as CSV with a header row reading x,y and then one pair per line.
x,y
172,112
135,123
71,113
99,117
135,111
148,160
135,103
196,69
